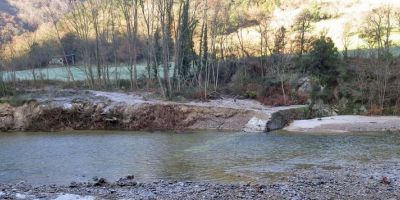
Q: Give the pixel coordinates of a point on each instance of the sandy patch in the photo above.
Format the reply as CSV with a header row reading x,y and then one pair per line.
x,y
346,123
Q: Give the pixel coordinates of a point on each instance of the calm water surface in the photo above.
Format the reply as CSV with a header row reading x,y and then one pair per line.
x,y
59,158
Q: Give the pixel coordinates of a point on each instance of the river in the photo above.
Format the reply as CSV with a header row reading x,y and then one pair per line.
x,y
59,158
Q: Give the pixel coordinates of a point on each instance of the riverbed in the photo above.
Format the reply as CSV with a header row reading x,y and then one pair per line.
x,y
215,157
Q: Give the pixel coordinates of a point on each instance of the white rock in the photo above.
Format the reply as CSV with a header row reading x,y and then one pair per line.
x,y
67,106
20,196
255,125
74,197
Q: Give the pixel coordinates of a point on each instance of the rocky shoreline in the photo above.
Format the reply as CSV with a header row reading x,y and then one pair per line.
x,y
95,110
364,181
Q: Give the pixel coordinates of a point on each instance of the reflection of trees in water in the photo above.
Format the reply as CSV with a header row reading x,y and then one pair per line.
x,y
188,157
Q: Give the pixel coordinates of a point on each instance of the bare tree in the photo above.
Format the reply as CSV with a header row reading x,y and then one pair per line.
x,y
346,39
79,23
302,26
281,60
377,29
130,11
54,19
165,8
377,34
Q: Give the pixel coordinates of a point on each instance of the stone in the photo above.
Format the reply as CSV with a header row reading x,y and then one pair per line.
x,y
255,125
385,180
101,182
127,182
304,85
73,184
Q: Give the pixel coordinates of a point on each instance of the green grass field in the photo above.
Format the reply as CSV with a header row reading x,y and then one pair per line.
x,y
78,72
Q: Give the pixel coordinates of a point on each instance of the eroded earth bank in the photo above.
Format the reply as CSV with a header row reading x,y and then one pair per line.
x,y
94,110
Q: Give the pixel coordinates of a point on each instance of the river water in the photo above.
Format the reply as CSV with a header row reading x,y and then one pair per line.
x,y
59,158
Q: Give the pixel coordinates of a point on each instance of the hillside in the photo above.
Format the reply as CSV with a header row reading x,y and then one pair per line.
x,y
19,16
10,24
337,17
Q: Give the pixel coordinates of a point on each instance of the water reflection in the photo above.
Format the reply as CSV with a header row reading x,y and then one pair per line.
x,y
44,158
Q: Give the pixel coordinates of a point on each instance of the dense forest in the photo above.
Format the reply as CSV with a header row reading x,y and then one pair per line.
x,y
278,52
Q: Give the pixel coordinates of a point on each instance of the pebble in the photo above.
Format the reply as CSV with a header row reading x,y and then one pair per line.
x,y
348,182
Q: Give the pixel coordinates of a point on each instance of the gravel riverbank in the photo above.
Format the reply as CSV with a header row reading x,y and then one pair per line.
x,y
363,181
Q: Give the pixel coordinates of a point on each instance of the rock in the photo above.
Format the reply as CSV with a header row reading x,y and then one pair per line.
x,y
73,184
20,196
111,120
385,180
363,109
68,106
255,125
304,85
319,109
126,182
282,118
101,182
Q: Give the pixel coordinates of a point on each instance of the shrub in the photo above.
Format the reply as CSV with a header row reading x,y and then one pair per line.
x,y
123,84
251,94
374,110
16,101
6,90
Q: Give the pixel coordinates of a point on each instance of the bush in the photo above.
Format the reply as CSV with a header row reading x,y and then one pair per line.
x,y
16,101
375,110
6,90
273,96
251,94
123,84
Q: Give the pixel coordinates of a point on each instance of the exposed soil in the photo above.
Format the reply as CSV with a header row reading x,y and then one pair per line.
x,y
94,110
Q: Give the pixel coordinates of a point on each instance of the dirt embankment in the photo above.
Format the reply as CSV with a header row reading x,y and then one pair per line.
x,y
92,110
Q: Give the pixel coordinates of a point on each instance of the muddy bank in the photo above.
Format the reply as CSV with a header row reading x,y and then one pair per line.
x,y
94,110
371,181
345,124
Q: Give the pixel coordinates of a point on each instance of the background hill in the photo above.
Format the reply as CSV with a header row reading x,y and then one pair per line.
x,y
10,24
337,17
20,16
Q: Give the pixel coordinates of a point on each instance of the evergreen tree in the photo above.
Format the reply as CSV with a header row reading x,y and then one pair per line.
x,y
186,42
324,65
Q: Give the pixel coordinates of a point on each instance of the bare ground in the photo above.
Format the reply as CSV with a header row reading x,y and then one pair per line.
x,y
347,123
95,110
